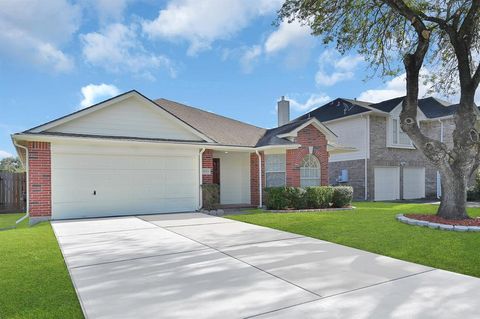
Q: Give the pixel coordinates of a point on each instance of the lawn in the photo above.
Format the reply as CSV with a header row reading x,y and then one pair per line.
x,y
34,280
372,227
8,220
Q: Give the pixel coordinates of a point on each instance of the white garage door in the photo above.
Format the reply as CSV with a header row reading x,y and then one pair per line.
x,y
413,182
106,180
387,183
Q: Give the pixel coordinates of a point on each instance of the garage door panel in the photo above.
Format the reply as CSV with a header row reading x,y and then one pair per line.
x,y
387,183
413,182
124,183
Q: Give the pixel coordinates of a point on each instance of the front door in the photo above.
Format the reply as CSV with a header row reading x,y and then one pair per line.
x,y
216,171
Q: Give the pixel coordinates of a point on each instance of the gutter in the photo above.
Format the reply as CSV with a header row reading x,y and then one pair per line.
x,y
200,178
27,182
259,179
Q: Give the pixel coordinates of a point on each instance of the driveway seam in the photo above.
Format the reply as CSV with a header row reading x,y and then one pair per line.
x,y
343,292
137,258
242,261
263,242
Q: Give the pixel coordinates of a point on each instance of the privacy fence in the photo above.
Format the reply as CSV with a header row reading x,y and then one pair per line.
x,y
12,192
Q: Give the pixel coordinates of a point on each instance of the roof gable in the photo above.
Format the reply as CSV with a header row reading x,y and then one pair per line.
x,y
130,114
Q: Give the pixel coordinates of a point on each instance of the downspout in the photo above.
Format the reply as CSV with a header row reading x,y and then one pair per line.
x,y
259,180
27,186
367,153
200,178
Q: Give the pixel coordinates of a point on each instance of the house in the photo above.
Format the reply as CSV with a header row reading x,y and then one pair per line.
x,y
386,164
132,155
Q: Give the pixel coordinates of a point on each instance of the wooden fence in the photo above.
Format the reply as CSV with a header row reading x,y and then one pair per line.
x,y
12,192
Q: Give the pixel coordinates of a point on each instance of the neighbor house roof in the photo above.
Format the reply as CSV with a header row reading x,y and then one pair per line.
x,y
430,106
335,109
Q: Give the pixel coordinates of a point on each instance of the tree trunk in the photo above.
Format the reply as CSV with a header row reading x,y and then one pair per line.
x,y
454,196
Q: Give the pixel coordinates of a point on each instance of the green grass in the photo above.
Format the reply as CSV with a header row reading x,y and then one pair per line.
x,y
372,227
8,220
34,281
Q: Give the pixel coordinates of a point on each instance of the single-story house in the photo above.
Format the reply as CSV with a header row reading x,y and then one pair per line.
x,y
133,155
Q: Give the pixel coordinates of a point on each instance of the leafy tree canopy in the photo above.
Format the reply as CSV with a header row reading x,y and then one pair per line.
x,y
11,164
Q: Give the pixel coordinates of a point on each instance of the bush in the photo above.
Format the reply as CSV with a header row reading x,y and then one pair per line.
x,y
342,196
210,196
296,197
319,196
280,198
276,198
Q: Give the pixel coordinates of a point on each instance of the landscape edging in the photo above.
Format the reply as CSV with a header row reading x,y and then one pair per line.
x,y
424,223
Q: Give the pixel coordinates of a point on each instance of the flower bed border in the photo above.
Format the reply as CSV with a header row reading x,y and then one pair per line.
x,y
317,210
423,223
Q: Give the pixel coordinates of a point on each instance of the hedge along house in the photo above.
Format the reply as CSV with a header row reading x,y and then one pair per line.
x,y
132,155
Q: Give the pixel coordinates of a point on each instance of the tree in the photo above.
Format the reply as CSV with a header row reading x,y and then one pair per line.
x,y
11,164
442,36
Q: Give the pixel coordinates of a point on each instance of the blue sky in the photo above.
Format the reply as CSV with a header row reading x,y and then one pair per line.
x,y
224,56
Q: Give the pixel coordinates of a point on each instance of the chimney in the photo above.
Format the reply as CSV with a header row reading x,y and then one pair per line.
x,y
283,111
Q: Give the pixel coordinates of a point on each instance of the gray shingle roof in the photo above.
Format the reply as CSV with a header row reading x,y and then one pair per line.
x,y
221,129
336,109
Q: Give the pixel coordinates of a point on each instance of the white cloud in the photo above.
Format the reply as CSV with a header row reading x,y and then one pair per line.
x,y
109,10
391,89
332,69
35,30
94,93
117,49
288,35
4,154
200,23
250,57
314,101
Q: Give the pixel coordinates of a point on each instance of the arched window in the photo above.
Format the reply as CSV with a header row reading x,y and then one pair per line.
x,y
310,171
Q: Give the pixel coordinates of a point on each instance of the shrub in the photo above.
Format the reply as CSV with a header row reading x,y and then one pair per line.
x,y
318,196
315,197
276,198
342,196
296,197
210,195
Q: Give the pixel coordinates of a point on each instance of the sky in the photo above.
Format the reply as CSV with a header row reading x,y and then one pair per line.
x,y
224,56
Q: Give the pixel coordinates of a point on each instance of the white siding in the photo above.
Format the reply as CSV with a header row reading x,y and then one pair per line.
x,y
141,179
130,117
234,177
353,133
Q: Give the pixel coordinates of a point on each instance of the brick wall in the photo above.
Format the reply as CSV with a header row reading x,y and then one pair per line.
x,y
39,166
307,137
207,162
254,180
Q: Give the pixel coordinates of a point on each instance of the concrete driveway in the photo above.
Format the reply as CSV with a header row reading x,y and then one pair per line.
x,y
197,266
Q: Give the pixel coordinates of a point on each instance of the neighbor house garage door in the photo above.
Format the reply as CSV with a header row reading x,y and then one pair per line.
x,y
109,180
387,183
413,182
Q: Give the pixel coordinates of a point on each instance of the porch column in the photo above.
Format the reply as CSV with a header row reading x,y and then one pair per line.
x,y
207,164
255,178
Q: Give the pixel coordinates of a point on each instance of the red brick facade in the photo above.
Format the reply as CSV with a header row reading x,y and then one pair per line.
x,y
207,162
39,175
254,180
308,137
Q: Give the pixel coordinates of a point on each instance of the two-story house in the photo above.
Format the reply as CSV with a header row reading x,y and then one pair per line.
x,y
386,165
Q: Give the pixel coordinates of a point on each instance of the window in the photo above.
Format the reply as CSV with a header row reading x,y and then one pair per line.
x,y
399,137
310,171
275,170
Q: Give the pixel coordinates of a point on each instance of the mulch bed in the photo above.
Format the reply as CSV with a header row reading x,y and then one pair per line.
x,y
440,220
